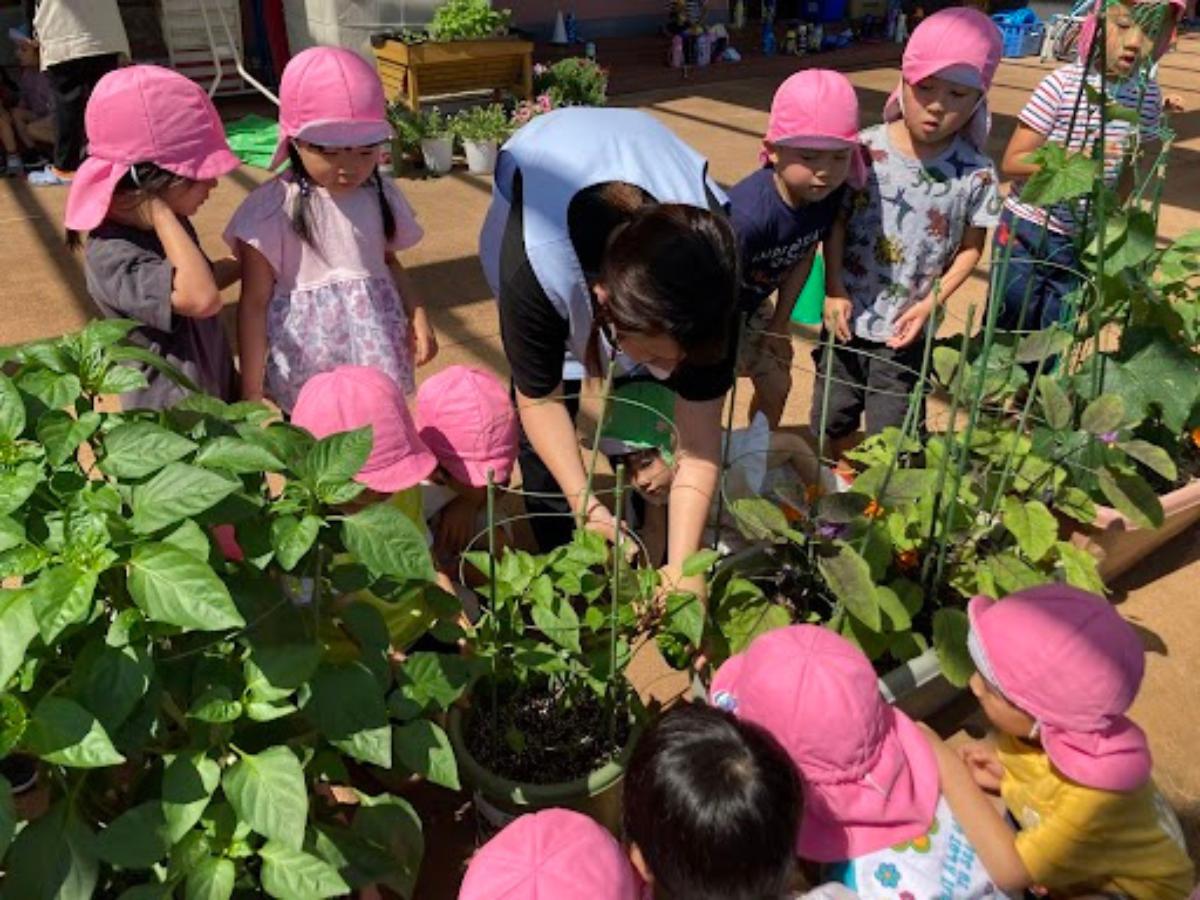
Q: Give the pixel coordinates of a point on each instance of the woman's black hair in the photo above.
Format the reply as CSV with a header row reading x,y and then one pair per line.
x,y
142,178
672,269
713,805
299,215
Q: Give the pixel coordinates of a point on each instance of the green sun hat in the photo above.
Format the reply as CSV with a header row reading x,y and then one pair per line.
x,y
641,416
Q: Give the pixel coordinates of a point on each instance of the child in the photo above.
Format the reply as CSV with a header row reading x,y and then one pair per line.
x,y
1057,670
872,805
30,123
321,285
467,420
156,150
639,432
351,397
1041,242
555,854
909,240
710,808
784,210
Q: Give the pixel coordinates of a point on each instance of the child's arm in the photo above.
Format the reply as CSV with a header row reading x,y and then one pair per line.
x,y
421,335
258,281
1025,140
226,271
909,324
991,837
194,291
654,534
837,299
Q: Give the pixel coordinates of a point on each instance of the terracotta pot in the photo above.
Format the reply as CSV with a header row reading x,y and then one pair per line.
x,y
1118,544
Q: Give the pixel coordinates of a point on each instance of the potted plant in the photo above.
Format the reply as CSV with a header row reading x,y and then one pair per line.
x,y
575,81
482,129
436,140
553,718
185,715
464,20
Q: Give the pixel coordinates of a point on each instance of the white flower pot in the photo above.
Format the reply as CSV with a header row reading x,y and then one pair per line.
x,y
481,156
438,154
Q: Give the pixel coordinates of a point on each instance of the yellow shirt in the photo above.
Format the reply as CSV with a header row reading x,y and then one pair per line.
x,y
1076,839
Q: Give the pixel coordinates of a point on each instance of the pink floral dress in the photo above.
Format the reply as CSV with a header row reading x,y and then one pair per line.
x,y
334,302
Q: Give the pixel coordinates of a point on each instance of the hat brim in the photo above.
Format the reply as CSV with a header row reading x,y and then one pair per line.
x,y
474,472
893,803
406,472
334,133
1115,759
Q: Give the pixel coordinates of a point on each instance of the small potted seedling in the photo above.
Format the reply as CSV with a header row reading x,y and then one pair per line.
x,y
436,140
482,129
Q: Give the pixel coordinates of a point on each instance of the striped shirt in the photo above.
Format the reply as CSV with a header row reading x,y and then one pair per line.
x,y
1050,112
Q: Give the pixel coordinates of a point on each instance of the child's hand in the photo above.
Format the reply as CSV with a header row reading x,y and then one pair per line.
x,y
983,763
908,326
1173,103
422,340
455,527
837,317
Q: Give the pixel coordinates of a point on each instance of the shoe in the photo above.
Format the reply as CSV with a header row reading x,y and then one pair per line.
x,y
14,166
49,177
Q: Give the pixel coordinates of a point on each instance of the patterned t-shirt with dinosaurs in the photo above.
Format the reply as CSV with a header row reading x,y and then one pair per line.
x,y
905,226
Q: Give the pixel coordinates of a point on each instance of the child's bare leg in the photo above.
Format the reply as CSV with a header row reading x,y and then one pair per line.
x,y
35,131
772,384
8,136
791,449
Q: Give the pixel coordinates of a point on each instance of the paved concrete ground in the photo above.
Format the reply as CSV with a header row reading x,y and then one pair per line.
x,y
42,294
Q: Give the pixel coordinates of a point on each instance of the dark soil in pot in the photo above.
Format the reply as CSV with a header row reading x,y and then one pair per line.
x,y
536,738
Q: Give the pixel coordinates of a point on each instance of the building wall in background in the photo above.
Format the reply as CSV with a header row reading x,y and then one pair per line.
x,y
599,18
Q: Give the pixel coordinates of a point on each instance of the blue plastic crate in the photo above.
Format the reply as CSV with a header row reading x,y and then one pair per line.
x,y
1022,32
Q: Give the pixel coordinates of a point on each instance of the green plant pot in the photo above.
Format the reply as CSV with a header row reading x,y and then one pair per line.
x,y
499,800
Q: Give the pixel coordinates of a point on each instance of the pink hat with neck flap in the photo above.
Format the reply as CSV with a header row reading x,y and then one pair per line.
x,y
818,108
961,45
332,97
870,776
1068,659
144,114
555,854
467,419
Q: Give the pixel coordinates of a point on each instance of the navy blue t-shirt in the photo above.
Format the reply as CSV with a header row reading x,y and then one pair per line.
x,y
772,236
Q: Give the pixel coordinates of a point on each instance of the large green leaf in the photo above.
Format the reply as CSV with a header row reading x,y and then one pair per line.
x,y
292,874
239,456
213,879
63,732
1136,234
54,390
556,618
17,628
61,433
114,684
139,448
216,706
1055,404
893,609
337,458
136,839
435,680
1153,457
423,747
849,577
268,793
17,485
8,816
1011,573
187,786
348,708
684,616
744,612
175,587
950,629
12,534
384,845
53,858
1152,372
700,562
291,538
62,597
388,543
1060,176
902,485
758,519
1104,414
274,671
1132,497
1034,526
12,410
1043,345
1080,569
177,492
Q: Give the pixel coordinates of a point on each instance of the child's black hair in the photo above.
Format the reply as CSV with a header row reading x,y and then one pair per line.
x,y
144,178
713,805
299,215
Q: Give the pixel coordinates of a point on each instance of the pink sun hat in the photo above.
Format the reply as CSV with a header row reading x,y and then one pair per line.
x,y
351,397
144,114
1067,658
817,108
467,420
555,854
1087,31
959,44
330,96
870,776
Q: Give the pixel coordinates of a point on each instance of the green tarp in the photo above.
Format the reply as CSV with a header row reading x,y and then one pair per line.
x,y
252,139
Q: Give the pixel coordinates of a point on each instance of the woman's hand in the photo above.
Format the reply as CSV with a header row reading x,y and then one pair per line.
x,y
422,339
910,323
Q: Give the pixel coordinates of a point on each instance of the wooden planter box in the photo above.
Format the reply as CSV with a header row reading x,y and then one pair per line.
x,y
410,72
1118,544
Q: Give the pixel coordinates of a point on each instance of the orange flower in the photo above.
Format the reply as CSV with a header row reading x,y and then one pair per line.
x,y
791,513
873,510
1196,437
907,560
813,493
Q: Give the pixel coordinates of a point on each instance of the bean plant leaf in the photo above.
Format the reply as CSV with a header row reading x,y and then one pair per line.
x,y
63,732
17,485
216,706
12,534
190,538
1032,524
291,538
849,577
1132,497
1080,568
556,619
268,793
435,680
178,491
12,410
213,879
1055,403
758,519
700,562
423,747
1011,573
136,839
61,433
950,629
275,671
892,607
54,390
348,708
62,597
189,780
17,628
1060,176
1104,414
121,380
1042,345
1153,457
238,455
1135,245
1152,371
291,874
337,458
388,543
176,588
53,858
115,683
140,448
